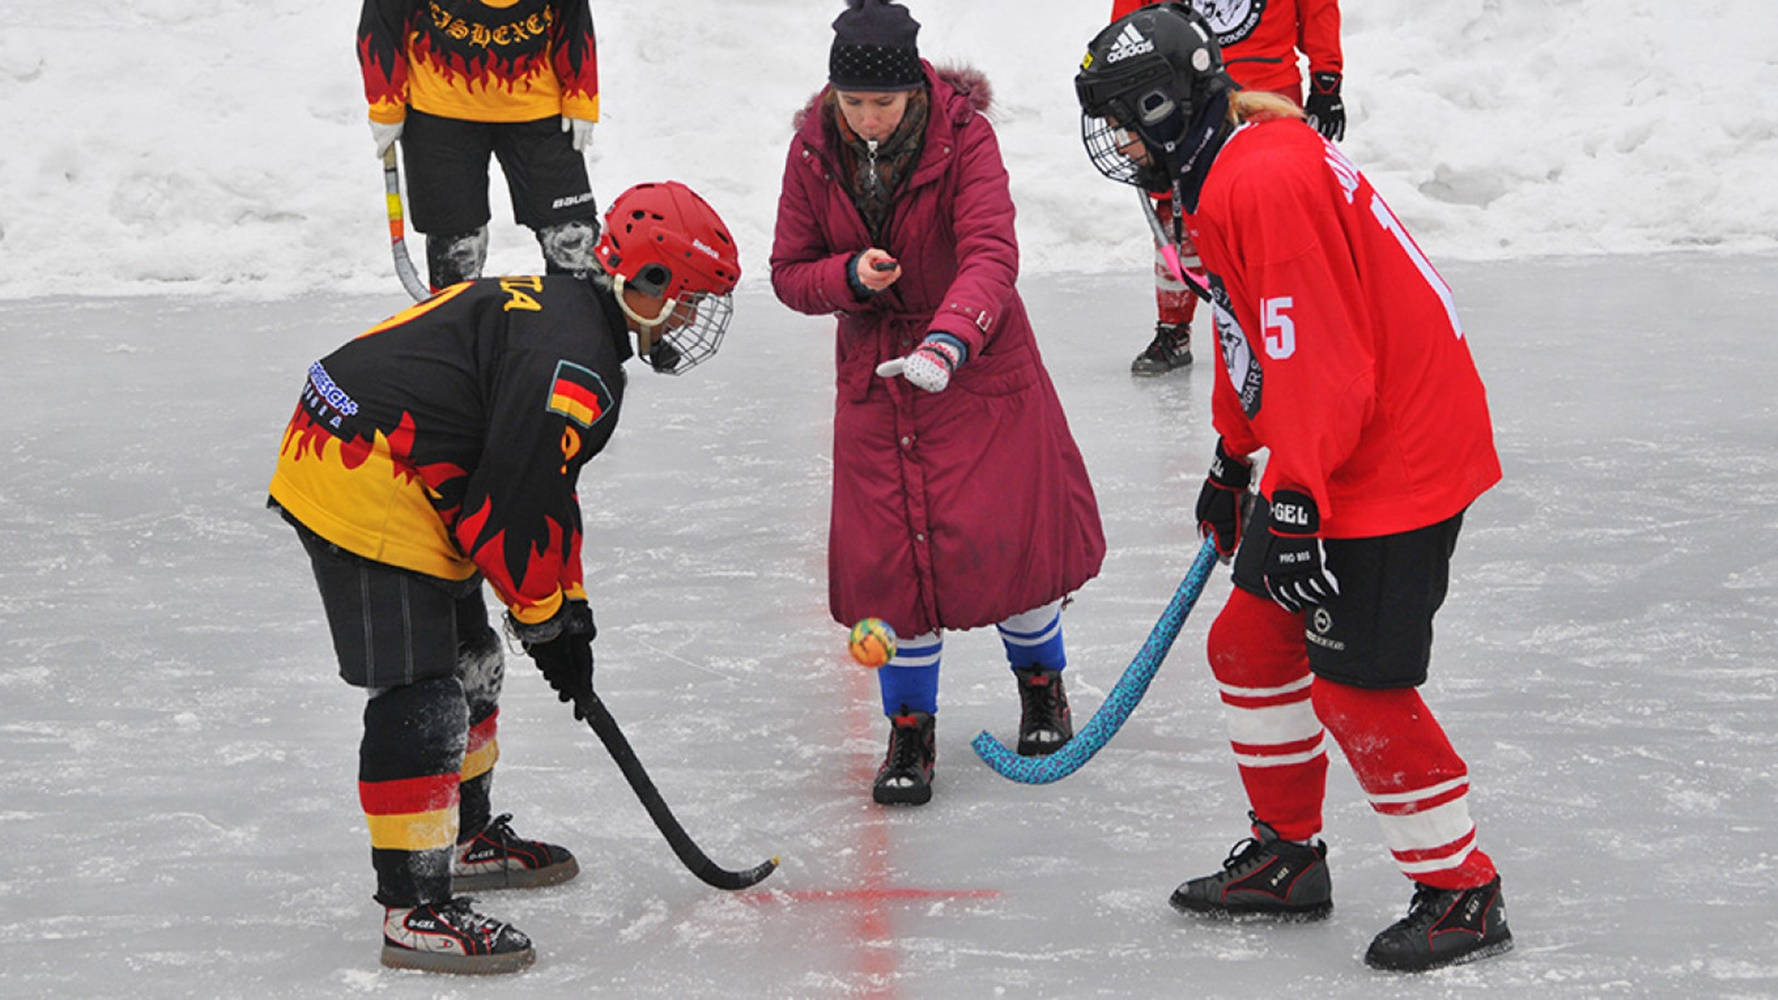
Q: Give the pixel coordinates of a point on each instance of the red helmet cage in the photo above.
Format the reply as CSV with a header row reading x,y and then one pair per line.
x,y
665,240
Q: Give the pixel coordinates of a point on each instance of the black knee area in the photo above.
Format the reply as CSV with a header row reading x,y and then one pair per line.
x,y
456,257
414,731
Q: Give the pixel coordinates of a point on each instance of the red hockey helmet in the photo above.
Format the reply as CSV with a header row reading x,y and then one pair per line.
x,y
662,239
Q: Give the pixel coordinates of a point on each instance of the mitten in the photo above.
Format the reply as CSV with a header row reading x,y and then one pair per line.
x,y
931,364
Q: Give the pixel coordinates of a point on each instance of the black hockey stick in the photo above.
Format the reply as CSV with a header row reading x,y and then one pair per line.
x,y
404,265
599,717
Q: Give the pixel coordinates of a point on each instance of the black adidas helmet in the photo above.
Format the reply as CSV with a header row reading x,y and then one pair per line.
x,y
1148,72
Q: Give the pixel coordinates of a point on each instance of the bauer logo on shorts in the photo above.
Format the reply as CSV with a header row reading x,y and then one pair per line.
x,y
578,394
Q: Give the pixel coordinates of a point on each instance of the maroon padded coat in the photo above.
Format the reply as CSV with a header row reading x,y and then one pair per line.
x,y
954,509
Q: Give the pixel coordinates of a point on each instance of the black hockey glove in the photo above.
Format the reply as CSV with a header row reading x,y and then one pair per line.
x,y
566,657
1327,113
1296,570
1225,500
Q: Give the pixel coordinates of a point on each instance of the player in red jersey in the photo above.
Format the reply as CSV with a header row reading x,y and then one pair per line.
x,y
1261,40
1343,355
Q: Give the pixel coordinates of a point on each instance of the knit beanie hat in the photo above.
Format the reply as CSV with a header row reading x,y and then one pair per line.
x,y
873,48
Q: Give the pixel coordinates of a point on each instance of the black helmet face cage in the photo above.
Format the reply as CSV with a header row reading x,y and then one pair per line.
x,y
691,332
1157,122
1148,94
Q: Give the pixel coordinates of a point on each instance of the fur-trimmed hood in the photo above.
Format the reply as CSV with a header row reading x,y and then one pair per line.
x,y
957,92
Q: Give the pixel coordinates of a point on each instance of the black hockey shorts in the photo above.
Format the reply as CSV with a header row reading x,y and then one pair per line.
x,y
447,172
390,626
1378,632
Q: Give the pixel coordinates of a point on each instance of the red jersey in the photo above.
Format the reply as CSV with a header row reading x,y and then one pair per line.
x,y
1341,347
1260,38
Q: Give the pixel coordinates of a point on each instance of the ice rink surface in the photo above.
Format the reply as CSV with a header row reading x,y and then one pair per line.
x,y
180,757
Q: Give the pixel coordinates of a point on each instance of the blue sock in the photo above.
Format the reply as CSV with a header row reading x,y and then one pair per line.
x,y
1034,638
909,682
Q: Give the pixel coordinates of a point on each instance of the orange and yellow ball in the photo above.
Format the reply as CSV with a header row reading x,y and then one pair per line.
x,y
872,642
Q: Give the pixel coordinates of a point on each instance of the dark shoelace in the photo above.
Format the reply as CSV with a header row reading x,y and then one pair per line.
x,y
904,749
1241,853
1043,704
460,910
499,830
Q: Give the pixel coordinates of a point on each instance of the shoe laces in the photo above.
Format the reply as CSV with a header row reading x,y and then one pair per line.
x,y
461,914
499,830
1042,699
1244,852
1426,904
904,745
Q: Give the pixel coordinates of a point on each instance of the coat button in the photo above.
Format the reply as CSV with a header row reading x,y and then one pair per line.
x,y
919,536
907,442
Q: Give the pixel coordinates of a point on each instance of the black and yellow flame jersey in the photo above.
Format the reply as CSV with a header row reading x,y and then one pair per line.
x,y
449,438
479,60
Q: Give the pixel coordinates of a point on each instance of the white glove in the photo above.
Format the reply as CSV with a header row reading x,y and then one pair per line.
x,y
931,364
580,132
384,135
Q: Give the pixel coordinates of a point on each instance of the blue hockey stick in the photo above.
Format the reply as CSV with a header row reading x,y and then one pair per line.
x,y
1119,703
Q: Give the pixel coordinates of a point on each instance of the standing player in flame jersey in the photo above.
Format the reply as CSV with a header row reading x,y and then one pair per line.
x,y
1260,39
459,80
1342,354
443,447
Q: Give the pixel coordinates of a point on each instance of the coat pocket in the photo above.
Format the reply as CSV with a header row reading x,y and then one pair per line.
x,y
997,374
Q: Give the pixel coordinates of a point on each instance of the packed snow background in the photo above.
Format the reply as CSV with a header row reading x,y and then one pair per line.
x,y
221,145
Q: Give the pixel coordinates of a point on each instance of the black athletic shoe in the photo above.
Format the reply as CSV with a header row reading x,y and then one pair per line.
x,y
1263,877
1170,349
497,858
1444,927
906,775
452,937
1044,721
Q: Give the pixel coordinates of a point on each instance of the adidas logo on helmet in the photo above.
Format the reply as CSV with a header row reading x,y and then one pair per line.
x,y
1129,43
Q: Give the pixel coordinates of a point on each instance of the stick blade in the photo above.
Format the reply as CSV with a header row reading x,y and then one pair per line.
x,y
719,877
1027,770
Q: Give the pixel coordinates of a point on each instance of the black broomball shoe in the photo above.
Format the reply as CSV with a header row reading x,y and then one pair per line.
x,y
452,937
1444,927
906,775
1263,877
1044,721
497,858
1171,348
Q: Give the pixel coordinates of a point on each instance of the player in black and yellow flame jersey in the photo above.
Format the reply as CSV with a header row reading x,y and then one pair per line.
x,y
439,449
460,81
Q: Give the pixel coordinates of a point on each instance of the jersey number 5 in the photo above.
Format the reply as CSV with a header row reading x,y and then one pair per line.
x,y
1280,329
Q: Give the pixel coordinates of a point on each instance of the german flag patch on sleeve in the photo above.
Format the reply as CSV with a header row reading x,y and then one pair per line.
x,y
578,394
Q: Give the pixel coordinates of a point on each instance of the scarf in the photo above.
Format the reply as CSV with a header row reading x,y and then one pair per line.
x,y
872,177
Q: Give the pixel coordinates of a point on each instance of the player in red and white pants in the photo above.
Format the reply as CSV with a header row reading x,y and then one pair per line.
x,y
1344,359
1261,41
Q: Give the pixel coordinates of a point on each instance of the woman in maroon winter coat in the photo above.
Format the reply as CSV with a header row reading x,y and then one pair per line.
x,y
959,497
